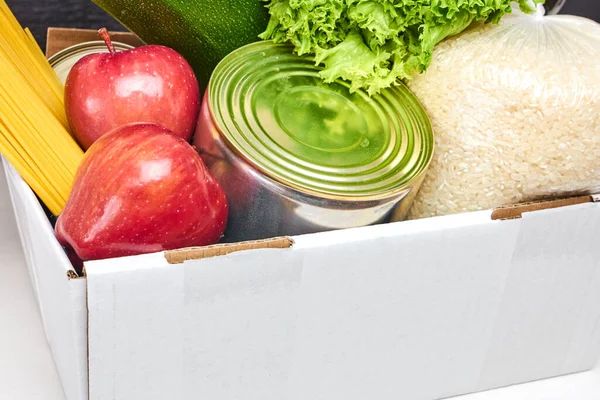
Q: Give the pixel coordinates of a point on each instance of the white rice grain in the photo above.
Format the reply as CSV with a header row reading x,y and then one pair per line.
x,y
519,121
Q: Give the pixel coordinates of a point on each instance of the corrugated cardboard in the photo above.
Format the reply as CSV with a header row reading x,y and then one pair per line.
x,y
61,38
411,310
517,210
180,256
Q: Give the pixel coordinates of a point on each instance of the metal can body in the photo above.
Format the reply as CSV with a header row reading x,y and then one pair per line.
x,y
297,156
260,207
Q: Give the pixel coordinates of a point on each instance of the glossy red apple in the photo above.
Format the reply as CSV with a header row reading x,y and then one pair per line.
x,y
141,189
152,84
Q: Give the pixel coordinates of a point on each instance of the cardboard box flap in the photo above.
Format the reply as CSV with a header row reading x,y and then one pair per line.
x,y
197,253
517,210
58,39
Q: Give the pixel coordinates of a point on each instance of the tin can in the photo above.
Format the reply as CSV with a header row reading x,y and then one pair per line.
x,y
64,60
297,155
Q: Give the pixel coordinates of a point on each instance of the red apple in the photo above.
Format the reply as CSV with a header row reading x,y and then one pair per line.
x,y
152,84
141,189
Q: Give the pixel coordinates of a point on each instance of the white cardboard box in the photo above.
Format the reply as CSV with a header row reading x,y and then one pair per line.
x,y
411,310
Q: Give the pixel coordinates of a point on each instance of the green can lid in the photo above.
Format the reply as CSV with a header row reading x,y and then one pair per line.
x,y
277,113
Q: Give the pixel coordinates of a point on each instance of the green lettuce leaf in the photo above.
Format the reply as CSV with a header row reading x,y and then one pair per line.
x,y
374,44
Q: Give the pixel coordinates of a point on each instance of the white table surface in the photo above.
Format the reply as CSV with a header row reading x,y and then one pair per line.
x,y
27,371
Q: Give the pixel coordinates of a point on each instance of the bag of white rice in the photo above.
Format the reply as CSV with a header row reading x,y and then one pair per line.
x,y
515,109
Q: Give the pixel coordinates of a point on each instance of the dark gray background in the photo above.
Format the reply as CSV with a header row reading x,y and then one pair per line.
x,y
585,8
39,14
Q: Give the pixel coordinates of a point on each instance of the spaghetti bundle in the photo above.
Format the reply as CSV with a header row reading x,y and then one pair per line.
x,y
34,131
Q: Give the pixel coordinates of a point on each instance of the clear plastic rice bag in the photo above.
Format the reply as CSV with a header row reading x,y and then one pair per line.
x,y
515,109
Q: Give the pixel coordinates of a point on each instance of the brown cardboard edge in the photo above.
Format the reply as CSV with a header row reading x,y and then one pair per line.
x,y
58,39
71,274
516,211
199,253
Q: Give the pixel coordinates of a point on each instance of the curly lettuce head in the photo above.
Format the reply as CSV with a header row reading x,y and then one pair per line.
x,y
376,43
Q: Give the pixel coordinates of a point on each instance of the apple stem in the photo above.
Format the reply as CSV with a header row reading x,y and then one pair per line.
x,y
106,37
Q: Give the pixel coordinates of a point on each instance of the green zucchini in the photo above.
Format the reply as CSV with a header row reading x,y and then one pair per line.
x,y
202,31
